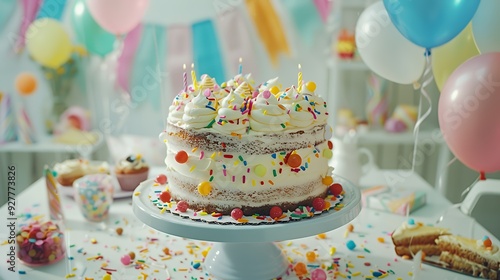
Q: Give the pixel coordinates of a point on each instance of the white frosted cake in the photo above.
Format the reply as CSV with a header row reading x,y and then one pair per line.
x,y
236,146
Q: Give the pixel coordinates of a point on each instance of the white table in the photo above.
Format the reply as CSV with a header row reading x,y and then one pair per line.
x,y
148,244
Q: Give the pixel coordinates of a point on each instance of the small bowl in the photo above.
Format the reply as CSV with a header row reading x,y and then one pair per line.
x,y
128,182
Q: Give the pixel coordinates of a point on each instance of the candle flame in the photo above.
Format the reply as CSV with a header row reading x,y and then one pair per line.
x,y
184,66
241,59
192,65
300,66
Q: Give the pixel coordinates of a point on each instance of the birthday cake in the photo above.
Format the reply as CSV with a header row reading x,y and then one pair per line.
x,y
257,149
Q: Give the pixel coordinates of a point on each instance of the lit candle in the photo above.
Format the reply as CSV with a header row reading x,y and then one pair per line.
x,y
299,82
193,77
240,68
184,78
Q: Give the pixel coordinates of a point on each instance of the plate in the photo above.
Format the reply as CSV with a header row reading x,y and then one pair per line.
x,y
118,193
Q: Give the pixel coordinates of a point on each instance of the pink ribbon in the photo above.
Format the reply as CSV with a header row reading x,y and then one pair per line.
x,y
237,42
30,10
323,7
179,52
126,58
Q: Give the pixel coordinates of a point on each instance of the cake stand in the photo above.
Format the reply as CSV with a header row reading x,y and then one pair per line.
x,y
246,251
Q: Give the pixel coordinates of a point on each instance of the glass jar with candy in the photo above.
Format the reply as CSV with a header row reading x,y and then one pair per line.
x,y
40,243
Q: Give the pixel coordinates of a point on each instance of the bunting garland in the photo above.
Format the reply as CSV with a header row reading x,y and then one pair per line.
x,y
149,64
51,9
237,42
6,10
206,52
306,19
324,7
269,28
179,52
30,9
126,58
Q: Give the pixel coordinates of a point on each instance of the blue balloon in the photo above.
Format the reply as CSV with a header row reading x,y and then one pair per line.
x,y
430,23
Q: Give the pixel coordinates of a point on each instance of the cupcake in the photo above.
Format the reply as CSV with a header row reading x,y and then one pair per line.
x,y
131,171
70,170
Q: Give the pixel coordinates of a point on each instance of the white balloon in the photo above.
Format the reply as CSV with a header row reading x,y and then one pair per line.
x,y
484,26
384,50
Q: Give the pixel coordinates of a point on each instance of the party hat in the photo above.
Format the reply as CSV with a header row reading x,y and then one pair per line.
x,y
55,208
8,131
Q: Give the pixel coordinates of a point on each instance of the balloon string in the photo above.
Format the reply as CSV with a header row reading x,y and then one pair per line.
x,y
428,78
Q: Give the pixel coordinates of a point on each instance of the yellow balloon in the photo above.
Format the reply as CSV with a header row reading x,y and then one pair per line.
x,y
447,58
48,43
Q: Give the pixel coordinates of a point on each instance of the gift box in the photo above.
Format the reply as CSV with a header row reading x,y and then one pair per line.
x,y
394,200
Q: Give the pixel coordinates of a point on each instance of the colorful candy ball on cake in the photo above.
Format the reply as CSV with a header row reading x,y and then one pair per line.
x,y
275,212
161,179
182,206
236,213
336,189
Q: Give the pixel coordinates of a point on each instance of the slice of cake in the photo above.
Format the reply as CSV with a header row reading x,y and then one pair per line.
x,y
478,258
237,147
412,237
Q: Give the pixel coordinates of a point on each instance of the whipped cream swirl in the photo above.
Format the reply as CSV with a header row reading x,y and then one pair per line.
x,y
266,114
232,116
298,108
176,110
201,111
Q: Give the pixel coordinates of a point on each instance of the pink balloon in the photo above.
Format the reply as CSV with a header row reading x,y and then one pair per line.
x,y
118,16
469,112
318,274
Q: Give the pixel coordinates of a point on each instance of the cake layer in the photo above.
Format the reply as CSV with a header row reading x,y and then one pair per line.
x,y
416,233
248,172
463,265
470,249
250,201
257,143
416,240
428,249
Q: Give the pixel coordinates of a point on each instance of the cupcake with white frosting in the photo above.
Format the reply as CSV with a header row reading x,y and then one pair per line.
x,y
131,171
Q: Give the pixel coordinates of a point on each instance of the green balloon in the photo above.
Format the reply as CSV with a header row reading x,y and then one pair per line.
x,y
88,32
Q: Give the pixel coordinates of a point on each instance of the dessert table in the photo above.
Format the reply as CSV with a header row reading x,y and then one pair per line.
x,y
96,249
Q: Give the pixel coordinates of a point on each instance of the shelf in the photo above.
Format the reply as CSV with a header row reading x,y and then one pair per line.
x,y
48,146
408,138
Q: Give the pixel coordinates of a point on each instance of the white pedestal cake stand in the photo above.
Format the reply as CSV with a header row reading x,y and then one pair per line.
x,y
246,251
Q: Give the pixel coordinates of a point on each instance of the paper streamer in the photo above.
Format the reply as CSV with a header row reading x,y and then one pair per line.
x,y
149,66
30,9
8,128
179,52
269,28
55,208
51,9
126,58
324,7
206,51
236,42
305,18
377,106
427,77
26,132
6,10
